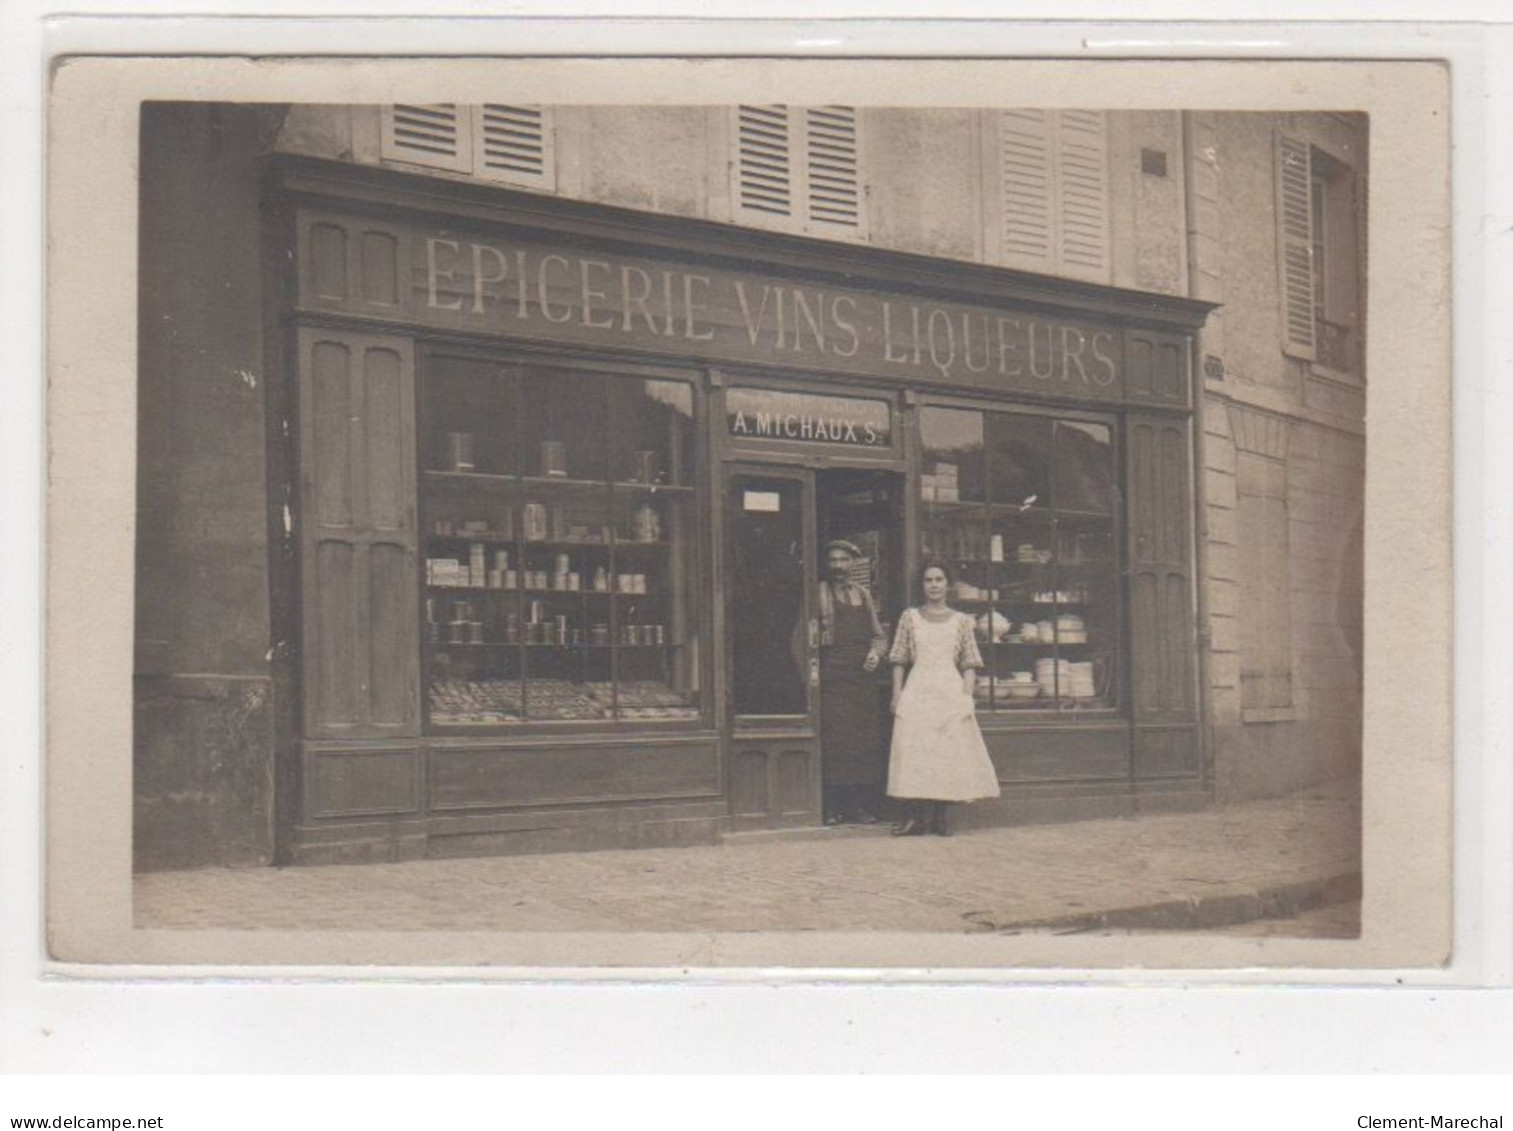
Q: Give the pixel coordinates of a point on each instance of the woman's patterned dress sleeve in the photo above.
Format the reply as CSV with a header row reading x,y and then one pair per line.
x,y
967,654
903,640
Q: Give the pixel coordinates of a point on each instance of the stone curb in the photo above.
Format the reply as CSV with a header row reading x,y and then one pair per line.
x,y
1194,913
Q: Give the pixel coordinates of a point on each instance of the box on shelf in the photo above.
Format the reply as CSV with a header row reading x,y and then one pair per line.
x,y
444,572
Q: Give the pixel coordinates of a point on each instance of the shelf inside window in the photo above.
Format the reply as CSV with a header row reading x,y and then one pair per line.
x,y
615,435
440,477
652,488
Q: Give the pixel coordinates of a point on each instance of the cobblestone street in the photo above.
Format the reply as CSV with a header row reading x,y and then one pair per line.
x,y
1205,870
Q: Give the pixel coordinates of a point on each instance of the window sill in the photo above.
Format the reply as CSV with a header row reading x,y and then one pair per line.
x,y
838,233
1321,372
1249,715
1336,376
540,185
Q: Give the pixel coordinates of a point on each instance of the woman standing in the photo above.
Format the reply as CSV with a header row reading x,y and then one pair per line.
x,y
937,755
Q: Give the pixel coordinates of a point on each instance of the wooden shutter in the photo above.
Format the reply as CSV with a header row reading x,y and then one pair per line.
x,y
1082,194
832,168
514,144
438,135
765,188
798,169
1295,244
359,580
1266,608
1163,641
1053,192
1027,189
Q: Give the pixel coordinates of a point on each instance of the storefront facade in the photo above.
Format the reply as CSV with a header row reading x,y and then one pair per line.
x,y
563,473
482,518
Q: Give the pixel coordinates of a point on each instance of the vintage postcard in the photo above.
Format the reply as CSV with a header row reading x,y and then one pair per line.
x,y
935,516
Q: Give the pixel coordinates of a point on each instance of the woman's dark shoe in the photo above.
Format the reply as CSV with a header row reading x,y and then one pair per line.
x,y
912,827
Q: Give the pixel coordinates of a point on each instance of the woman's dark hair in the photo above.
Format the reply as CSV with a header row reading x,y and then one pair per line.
x,y
933,563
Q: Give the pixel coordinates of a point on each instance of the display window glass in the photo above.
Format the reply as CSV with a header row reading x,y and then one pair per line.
x,y
1024,508
561,565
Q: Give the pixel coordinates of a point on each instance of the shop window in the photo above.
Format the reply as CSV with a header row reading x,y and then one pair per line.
x,y
1050,211
1025,509
1266,598
510,144
1318,250
562,571
798,169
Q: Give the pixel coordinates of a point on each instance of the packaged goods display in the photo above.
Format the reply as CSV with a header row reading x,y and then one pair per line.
x,y
533,522
464,702
1023,510
560,562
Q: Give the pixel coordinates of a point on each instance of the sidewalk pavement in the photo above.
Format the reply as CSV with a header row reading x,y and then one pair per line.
x,y
1188,871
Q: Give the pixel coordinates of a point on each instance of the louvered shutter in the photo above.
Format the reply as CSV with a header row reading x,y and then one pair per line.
x,y
1082,194
1053,192
514,144
1295,244
765,188
1027,188
798,169
438,135
832,168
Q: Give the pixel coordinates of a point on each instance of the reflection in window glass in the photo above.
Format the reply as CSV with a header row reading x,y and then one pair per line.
x,y
561,568
564,424
952,471
1034,542
1084,468
1019,458
652,438
470,425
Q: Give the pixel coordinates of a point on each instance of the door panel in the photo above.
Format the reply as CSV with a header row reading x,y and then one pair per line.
x,y
773,648
1161,599
357,524
768,596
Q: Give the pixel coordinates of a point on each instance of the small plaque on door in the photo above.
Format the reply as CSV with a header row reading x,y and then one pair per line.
x,y
763,502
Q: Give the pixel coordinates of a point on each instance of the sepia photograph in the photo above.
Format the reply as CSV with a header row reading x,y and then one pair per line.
x,y
938,518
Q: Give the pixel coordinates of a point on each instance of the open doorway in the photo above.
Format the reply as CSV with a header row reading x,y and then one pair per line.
x,y
861,510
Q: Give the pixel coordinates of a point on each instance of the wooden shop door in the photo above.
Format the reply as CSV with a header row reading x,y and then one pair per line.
x,y
772,648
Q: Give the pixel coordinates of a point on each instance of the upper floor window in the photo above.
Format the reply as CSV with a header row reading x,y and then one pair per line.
x,y
1048,197
1318,253
509,144
798,169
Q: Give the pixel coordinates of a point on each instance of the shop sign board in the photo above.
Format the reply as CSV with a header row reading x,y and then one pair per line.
x,y
771,414
524,285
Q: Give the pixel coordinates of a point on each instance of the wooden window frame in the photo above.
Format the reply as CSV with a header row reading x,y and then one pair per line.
x,y
527,730
1315,187
1120,683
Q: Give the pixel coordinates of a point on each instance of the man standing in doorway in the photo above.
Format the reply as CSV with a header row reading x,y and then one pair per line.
x,y
852,645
